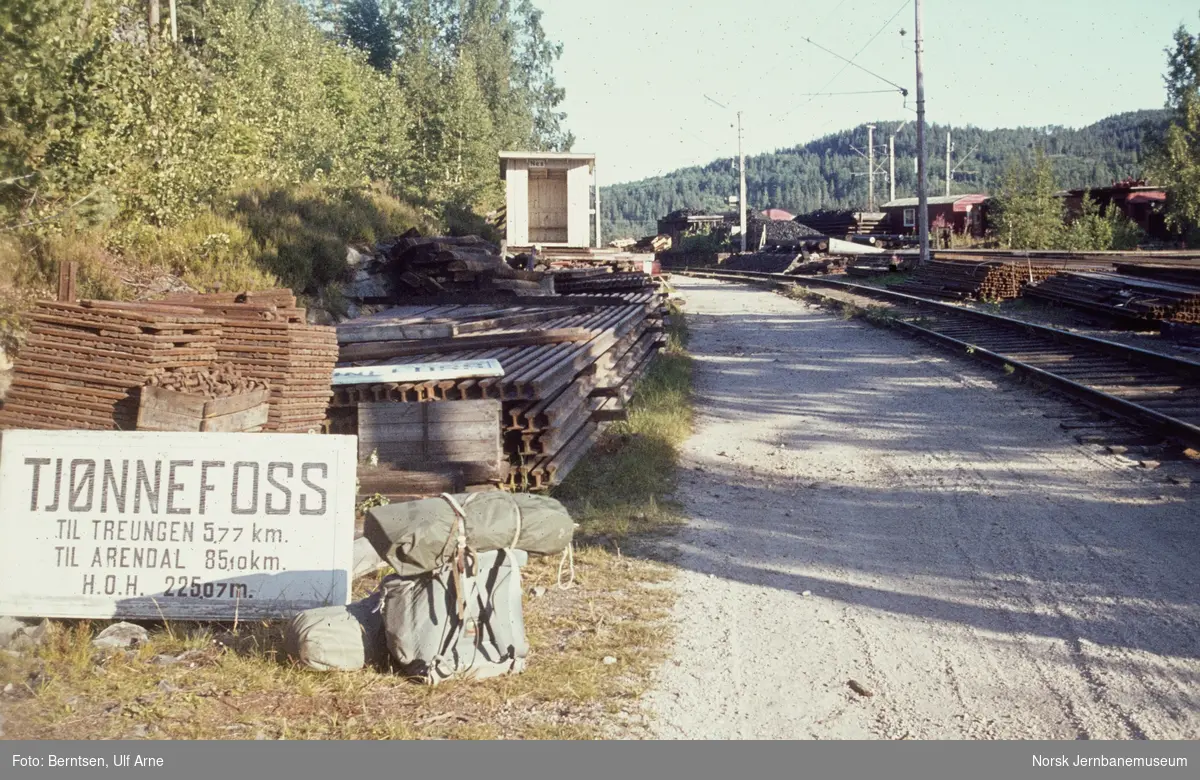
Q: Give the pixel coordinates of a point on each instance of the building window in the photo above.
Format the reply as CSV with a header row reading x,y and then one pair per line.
x,y
910,217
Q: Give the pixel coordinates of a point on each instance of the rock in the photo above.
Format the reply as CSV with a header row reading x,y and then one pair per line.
x,y
120,636
8,689
242,644
357,260
367,287
165,660
9,628
1175,479
859,688
537,592
166,687
140,731
1149,464
609,660
17,636
806,593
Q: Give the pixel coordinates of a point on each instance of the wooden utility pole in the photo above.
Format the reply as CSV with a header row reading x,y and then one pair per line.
x,y
949,173
153,22
892,167
742,183
871,168
922,182
174,24
596,187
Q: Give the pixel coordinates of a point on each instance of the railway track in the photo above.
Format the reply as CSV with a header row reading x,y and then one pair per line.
x,y
1156,392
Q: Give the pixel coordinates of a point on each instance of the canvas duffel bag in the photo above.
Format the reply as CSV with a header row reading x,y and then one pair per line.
x,y
415,537
338,638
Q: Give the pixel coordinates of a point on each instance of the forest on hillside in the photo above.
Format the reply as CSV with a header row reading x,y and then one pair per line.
x,y
247,142
828,173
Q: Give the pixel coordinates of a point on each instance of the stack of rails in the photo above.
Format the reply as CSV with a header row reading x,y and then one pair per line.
x,y
979,280
264,336
83,364
1187,273
573,282
565,377
584,257
1121,296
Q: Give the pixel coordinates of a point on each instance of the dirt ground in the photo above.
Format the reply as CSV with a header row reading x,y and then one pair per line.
x,y
863,508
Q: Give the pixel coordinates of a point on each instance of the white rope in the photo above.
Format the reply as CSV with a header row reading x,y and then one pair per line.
x,y
517,533
568,559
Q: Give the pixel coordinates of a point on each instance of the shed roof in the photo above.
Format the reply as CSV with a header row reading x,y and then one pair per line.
x,y
960,202
778,214
547,156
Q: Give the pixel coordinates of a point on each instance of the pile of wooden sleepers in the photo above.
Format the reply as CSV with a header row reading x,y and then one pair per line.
x,y
264,336
419,266
570,364
1118,295
84,363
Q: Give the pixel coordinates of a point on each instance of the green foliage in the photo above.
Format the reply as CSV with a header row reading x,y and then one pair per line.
x,y
1126,234
703,242
1026,214
825,173
366,28
1175,161
274,133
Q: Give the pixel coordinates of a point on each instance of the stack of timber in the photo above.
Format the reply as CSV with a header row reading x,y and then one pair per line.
x,y
423,266
1121,296
264,337
168,410
84,363
569,369
656,244
987,280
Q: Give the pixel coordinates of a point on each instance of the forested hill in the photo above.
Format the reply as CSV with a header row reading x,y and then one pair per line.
x,y
821,174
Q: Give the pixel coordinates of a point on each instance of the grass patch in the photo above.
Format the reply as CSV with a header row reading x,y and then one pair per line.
x,y
618,490
243,686
883,280
262,237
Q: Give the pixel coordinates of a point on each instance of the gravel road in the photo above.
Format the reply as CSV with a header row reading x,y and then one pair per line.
x,y
863,508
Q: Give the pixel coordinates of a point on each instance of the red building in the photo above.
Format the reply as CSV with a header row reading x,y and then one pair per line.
x,y
1136,199
960,213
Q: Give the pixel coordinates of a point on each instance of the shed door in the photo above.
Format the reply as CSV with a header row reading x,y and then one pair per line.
x,y
548,208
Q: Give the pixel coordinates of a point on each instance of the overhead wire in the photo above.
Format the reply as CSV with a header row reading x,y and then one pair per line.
x,y
849,62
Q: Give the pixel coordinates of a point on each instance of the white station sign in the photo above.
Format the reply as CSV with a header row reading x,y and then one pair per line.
x,y
100,524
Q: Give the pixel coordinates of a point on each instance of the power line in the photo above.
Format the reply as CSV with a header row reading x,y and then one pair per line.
x,y
850,62
856,92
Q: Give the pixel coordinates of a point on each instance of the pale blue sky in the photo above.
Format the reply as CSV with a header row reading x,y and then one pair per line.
x,y
636,71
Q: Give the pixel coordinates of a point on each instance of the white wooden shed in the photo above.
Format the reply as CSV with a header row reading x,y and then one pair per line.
x,y
548,198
